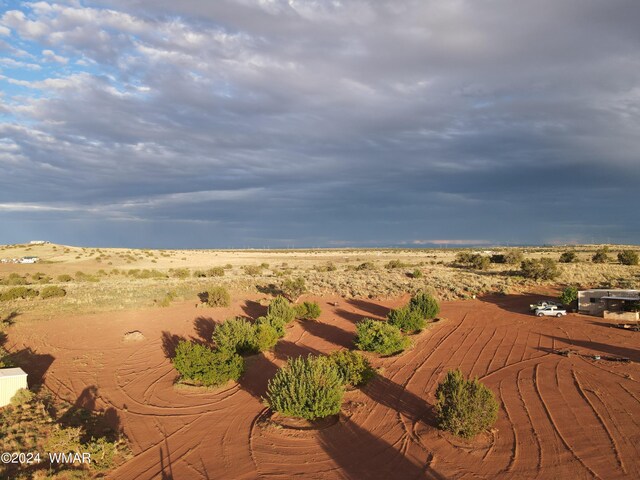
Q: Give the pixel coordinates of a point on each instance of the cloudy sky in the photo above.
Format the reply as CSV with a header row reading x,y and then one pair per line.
x,y
276,123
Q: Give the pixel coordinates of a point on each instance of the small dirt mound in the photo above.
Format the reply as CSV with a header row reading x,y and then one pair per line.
x,y
134,336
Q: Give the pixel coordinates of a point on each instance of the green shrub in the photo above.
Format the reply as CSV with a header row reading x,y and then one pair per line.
x,y
514,257
601,255
568,257
308,388
5,359
53,291
568,295
235,335
628,257
167,299
366,266
464,407
463,258
380,337
15,279
543,269
307,310
425,304
395,264
293,288
252,270
18,292
200,365
218,297
407,319
498,258
181,273
480,262
21,397
282,309
277,323
215,272
354,368
265,336
199,274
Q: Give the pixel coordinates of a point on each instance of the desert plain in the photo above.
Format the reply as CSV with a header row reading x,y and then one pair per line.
x,y
106,347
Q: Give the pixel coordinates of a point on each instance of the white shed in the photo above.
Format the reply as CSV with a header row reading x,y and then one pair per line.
x,y
11,380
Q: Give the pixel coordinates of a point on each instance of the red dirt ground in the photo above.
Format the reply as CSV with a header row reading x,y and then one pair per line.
x,y
560,417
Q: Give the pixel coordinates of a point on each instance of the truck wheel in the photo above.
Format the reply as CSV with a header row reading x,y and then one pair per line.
x,y
541,314
558,315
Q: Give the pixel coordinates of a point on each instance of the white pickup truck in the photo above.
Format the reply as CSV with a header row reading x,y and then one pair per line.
x,y
550,311
543,304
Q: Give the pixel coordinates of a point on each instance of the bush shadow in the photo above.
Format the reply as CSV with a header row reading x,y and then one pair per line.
x,y
94,423
630,353
516,303
169,343
330,333
254,309
258,371
388,393
284,350
361,455
204,327
374,309
270,289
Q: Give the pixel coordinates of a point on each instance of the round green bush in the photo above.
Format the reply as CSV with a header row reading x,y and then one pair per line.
x,y
307,310
277,323
293,288
281,308
543,269
218,297
407,319
235,335
568,257
64,278
464,407
265,336
308,388
18,292
628,257
569,294
425,304
353,367
53,291
380,337
203,366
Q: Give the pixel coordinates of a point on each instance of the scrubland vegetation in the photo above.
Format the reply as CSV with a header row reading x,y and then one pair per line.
x,y
109,279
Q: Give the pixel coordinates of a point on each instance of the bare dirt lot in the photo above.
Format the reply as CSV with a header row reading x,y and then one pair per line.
x,y
560,416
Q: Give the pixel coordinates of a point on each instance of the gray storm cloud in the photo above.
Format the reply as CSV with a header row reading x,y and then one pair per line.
x,y
254,123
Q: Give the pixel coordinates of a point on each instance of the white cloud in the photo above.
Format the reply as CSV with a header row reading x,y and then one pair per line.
x,y
50,56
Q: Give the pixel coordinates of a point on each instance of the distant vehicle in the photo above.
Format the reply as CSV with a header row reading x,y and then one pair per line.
x,y
550,311
544,304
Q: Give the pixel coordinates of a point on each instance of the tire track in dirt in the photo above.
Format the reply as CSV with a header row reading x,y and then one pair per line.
x,y
554,424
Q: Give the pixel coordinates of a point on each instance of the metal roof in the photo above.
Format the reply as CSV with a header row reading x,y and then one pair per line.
x,y
12,372
621,298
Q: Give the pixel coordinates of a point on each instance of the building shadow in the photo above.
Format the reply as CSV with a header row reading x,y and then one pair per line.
x,y
360,455
330,333
204,327
630,353
253,309
169,343
371,308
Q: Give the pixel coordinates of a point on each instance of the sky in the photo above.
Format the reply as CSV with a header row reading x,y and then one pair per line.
x,y
311,123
